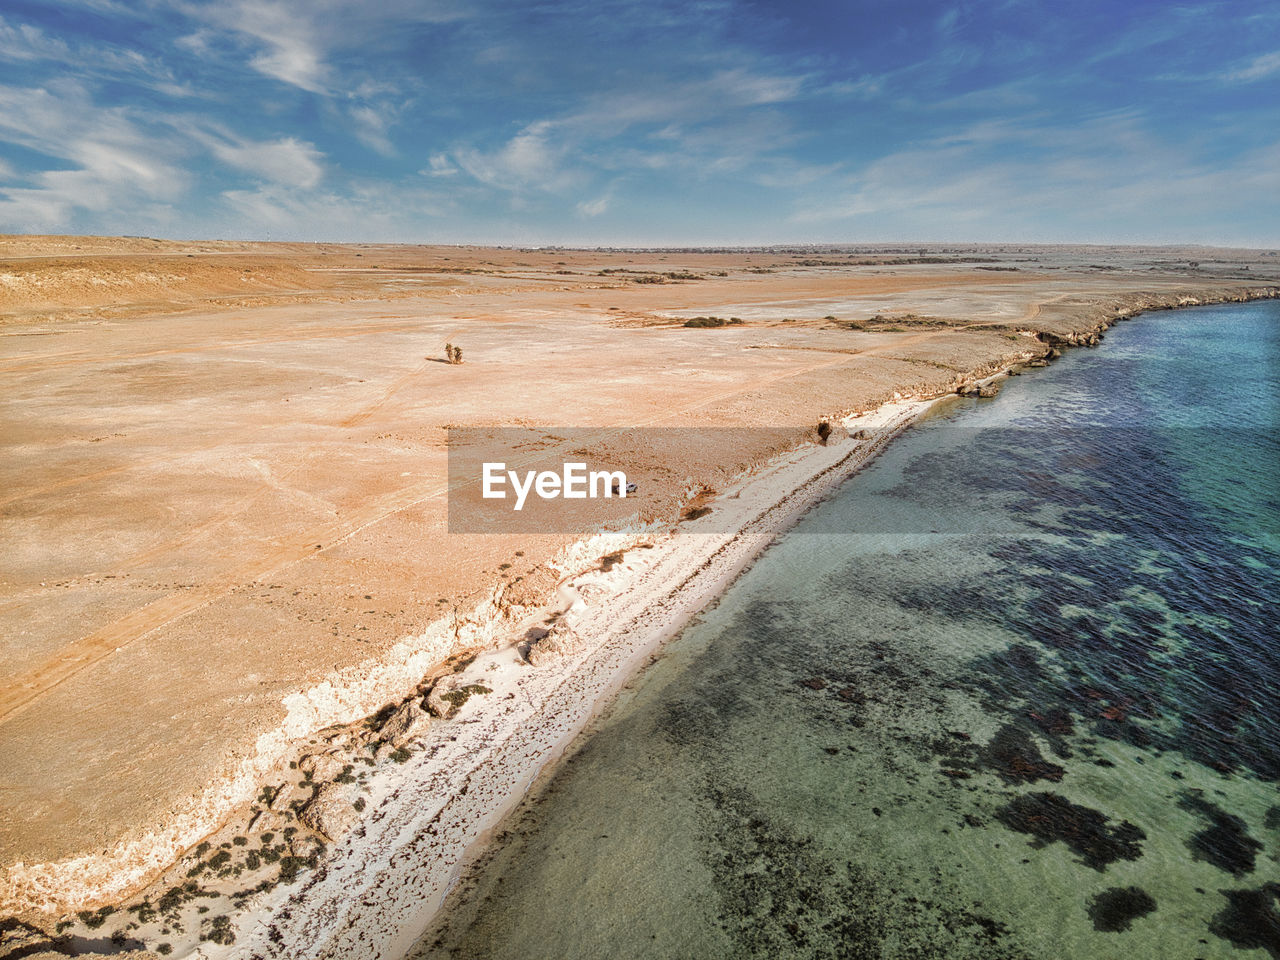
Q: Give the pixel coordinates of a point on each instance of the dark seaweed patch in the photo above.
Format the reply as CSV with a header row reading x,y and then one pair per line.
x,y
1014,757
1251,919
1080,594
1272,819
1115,909
1050,818
780,897
1225,843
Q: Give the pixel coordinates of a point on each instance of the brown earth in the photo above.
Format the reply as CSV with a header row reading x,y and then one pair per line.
x,y
223,473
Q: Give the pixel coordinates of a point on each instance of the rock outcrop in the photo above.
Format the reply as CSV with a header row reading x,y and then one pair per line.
x,y
437,705
561,641
322,766
331,812
408,721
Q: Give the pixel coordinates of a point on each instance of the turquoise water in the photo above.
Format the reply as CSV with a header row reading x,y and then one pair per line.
x,y
1014,692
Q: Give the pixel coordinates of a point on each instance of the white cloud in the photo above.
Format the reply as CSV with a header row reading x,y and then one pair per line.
x,y
1256,69
719,123
370,126
107,161
283,38
527,160
1099,179
375,211
287,161
439,165
24,43
293,41
593,208
743,87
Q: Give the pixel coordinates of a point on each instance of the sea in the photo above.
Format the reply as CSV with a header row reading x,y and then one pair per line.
x,y
1013,691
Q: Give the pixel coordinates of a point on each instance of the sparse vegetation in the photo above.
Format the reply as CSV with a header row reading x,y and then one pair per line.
x,y
400,755
218,930
713,322
456,698
93,919
452,353
641,276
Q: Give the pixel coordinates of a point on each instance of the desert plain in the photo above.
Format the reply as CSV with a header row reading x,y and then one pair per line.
x,y
224,493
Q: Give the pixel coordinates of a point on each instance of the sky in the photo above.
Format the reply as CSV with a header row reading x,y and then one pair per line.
x,y
697,122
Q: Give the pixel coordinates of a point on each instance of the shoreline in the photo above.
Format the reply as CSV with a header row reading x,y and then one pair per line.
x,y
610,668
656,598
471,771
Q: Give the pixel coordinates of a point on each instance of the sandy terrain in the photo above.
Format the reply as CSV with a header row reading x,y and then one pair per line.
x,y
224,486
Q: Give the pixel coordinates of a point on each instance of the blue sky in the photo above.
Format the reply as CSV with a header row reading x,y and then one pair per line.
x,y
604,122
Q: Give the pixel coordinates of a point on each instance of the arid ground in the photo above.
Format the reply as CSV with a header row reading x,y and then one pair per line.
x,y
224,464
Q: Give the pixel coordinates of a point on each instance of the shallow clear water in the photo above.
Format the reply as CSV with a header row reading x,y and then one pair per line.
x,y
1014,692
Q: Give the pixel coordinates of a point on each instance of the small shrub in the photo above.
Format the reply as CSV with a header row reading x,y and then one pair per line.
x,y
94,919
218,930
456,698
